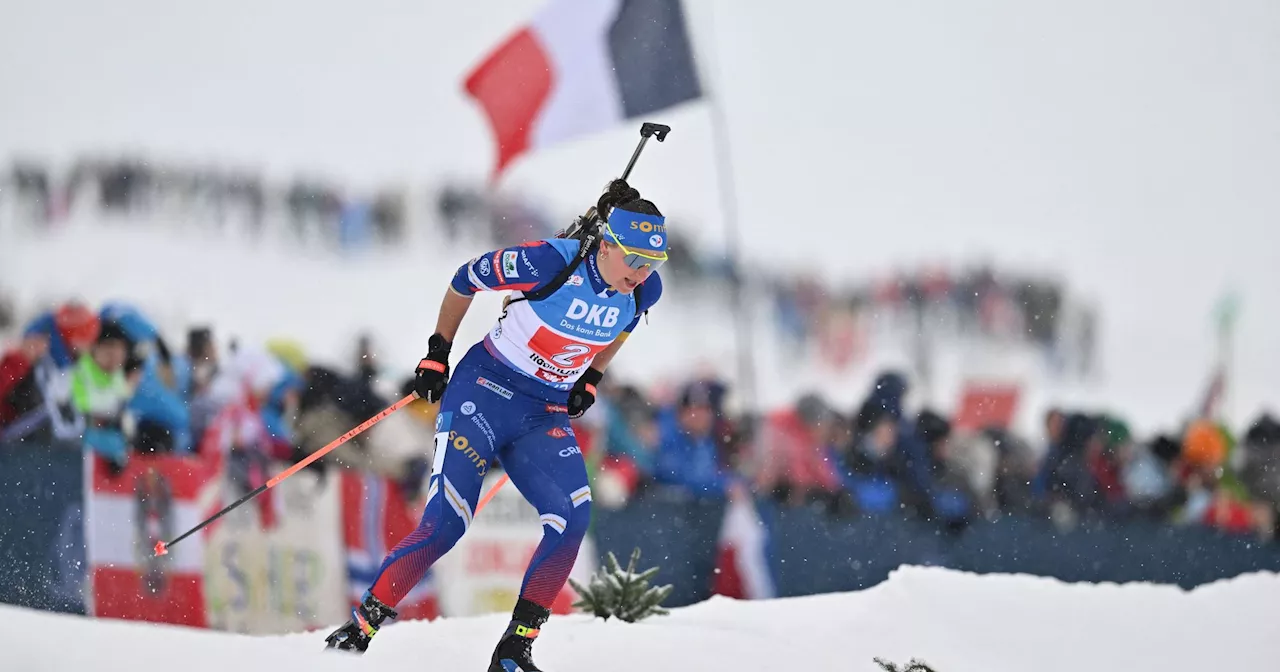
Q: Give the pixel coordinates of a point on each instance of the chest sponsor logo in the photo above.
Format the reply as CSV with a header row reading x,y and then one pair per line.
x,y
571,450
574,280
555,408
494,387
557,433
468,408
601,316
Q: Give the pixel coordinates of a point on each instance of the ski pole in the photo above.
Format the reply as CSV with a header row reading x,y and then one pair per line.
x,y
492,491
163,547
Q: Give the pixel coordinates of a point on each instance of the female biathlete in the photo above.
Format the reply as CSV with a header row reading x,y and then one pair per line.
x,y
573,303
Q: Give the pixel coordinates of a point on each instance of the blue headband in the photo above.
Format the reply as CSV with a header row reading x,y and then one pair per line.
x,y
639,232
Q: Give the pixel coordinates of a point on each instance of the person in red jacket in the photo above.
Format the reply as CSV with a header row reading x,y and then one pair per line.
x,y
54,340
15,369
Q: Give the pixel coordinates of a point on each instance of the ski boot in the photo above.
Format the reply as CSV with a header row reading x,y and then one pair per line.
x,y
514,652
364,623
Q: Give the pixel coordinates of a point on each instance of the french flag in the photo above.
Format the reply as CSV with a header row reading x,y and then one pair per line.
x,y
583,66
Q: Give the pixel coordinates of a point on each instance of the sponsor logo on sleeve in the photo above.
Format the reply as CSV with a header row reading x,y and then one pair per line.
x,y
524,256
509,267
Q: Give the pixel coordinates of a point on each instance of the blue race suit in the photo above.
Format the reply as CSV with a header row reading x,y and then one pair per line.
x,y
506,399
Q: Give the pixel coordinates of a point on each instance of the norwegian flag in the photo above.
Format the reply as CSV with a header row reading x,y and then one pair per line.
x,y
375,516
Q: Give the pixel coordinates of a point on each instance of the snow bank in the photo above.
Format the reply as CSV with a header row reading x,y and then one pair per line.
x,y
957,622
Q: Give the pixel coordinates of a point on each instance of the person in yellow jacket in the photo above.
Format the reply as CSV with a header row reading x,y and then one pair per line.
x,y
100,391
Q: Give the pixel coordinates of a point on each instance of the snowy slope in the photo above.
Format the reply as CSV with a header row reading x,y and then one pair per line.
x,y
955,621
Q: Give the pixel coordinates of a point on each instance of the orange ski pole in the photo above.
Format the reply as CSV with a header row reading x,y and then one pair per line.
x,y
163,547
492,491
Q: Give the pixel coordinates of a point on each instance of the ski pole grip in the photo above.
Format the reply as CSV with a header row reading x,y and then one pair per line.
x,y
648,129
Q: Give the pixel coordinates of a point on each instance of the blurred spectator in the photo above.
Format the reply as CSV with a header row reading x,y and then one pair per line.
x,y
952,500
100,392
689,458
1105,449
194,373
19,393
70,329
1215,497
162,415
976,457
1260,466
632,430
1016,468
796,453
36,385
875,471
886,399
1066,482
1146,479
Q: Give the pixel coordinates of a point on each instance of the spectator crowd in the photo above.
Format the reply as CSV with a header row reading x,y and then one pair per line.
x,y
994,305
882,459
110,379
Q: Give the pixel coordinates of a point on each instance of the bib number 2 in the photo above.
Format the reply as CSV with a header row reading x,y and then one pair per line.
x,y
560,351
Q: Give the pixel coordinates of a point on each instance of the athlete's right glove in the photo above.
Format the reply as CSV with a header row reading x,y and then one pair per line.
x,y
583,393
432,374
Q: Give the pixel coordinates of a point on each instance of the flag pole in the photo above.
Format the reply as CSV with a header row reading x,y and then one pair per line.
x,y
727,188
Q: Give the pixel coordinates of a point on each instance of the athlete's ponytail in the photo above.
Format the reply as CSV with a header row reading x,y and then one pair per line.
x,y
619,194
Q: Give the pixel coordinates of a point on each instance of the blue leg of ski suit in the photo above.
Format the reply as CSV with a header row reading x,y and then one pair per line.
x,y
489,410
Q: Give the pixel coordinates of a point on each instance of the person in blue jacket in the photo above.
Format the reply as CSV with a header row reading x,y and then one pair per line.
x,y
164,421
689,455
573,303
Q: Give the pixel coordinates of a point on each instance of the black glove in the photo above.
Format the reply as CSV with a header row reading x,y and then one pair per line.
x,y
432,373
583,393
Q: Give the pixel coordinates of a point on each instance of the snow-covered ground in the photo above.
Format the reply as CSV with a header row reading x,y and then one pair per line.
x,y
956,622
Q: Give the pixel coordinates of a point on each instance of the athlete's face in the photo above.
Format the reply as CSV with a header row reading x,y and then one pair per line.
x,y
616,272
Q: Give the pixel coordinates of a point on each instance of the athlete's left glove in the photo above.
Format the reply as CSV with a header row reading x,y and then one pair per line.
x,y
432,374
583,393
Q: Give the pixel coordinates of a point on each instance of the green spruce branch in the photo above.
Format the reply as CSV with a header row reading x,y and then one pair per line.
x,y
614,592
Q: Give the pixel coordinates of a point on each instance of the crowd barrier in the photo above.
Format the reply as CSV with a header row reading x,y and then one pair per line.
x,y
809,552
41,537
75,539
